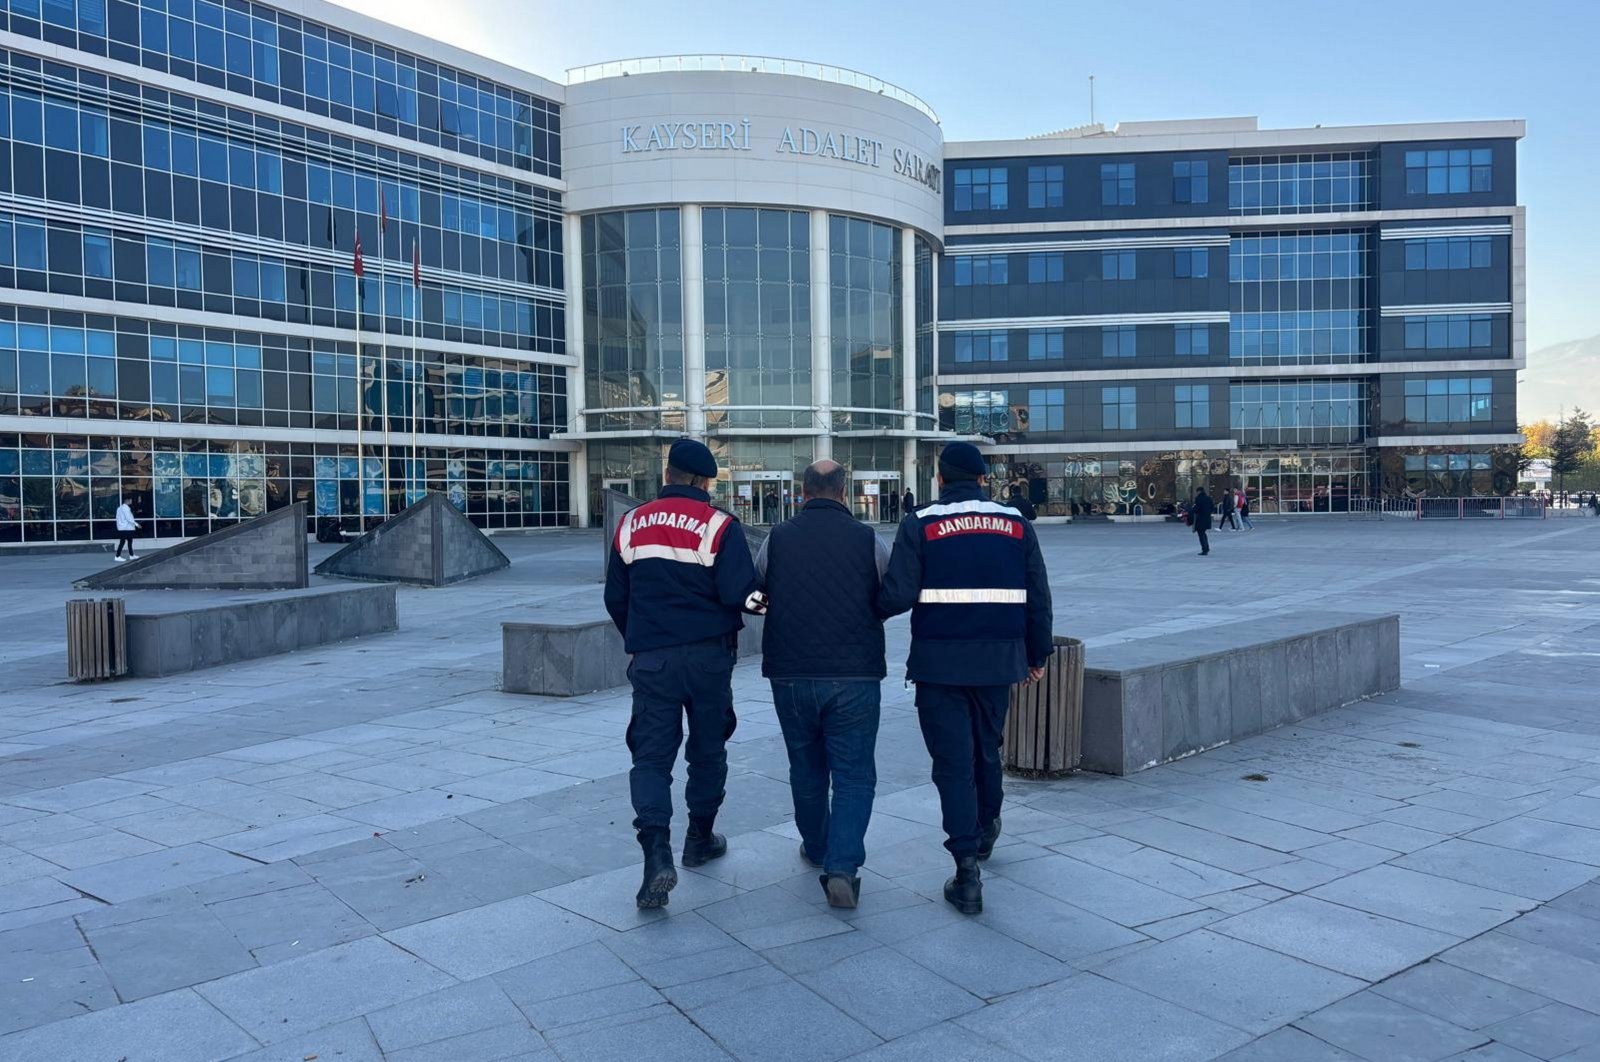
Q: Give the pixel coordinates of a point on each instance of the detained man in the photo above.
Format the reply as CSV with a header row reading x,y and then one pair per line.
x,y
822,649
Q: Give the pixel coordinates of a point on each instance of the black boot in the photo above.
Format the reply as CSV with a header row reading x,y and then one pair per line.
x,y
660,876
842,890
965,891
701,845
991,834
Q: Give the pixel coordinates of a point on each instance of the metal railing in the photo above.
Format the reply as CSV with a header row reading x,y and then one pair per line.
x,y
760,64
1515,507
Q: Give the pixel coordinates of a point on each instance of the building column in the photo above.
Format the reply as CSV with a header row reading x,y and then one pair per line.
x,y
694,320
821,333
578,460
908,344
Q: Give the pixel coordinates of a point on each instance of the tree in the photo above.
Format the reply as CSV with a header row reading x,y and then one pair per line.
x,y
1572,443
1540,434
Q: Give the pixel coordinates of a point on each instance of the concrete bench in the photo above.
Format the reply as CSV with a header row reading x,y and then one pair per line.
x,y
1158,699
567,657
169,633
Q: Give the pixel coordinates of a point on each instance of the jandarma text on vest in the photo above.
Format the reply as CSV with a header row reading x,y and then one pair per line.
x,y
659,518
973,525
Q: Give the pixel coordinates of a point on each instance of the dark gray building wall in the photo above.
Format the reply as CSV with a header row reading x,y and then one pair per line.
x,y
1391,412
1081,194
1084,350
1391,193
1155,287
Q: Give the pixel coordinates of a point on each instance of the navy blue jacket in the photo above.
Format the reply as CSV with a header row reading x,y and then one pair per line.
x,y
820,570
680,572
971,572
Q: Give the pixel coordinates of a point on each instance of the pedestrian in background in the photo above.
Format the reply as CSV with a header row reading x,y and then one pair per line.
x,y
679,577
1200,517
1242,503
822,650
908,504
970,571
126,526
1225,509
1019,501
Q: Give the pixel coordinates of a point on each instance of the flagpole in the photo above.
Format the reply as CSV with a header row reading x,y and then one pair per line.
x,y
416,366
361,461
383,332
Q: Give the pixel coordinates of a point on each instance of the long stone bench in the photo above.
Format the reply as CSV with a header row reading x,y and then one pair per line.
x,y
1153,700
169,633
570,656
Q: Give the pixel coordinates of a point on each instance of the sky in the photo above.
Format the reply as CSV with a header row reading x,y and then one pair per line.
x,y
996,69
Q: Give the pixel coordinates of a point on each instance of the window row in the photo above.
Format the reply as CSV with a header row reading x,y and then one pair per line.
x,y
72,260
280,58
1337,255
1455,331
130,370
1449,400
1300,184
1050,267
1307,411
1449,252
1049,344
1450,172
1326,336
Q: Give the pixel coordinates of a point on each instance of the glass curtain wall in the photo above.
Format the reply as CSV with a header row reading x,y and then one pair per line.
x,y
868,345
758,317
1299,297
633,320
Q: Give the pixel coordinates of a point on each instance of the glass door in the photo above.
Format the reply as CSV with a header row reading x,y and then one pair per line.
x,y
875,496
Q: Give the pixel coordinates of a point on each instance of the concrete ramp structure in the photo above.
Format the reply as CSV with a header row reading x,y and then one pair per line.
x,y
266,553
430,543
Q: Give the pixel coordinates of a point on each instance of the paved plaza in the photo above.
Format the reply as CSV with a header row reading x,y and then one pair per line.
x,y
367,852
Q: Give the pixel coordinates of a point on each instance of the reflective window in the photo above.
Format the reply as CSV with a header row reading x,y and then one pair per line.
x,y
1450,172
1193,262
1299,296
1451,475
1455,331
1449,252
1118,265
975,412
983,188
1047,267
1298,411
1046,186
1190,183
633,331
866,274
981,270
1119,341
1117,184
1047,409
1047,344
1449,400
1119,408
1300,184
982,346
1191,340
1192,405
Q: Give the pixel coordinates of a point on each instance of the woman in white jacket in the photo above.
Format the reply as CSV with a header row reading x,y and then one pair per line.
x,y
126,526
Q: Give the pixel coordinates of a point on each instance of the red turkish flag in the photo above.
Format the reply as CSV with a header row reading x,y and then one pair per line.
x,y
360,266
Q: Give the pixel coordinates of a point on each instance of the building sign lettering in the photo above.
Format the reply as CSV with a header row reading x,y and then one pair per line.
x,y
838,145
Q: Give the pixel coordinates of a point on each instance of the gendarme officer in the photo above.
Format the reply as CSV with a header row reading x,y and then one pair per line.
x,y
970,571
679,577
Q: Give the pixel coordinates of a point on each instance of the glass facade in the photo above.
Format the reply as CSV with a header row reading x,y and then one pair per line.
x,y
1300,184
224,237
867,327
758,317
1299,297
1318,412
633,320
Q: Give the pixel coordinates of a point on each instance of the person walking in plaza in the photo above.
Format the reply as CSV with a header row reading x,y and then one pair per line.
x,y
908,504
822,650
679,576
1200,518
126,526
972,575
1019,501
1241,504
1225,510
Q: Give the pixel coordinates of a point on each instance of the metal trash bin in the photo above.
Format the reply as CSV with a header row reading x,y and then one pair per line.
x,y
97,638
1044,728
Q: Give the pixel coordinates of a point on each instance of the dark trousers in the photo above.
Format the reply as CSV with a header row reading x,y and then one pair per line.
x,y
963,727
693,680
1205,544
124,538
831,730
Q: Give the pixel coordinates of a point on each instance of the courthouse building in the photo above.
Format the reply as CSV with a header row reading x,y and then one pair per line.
x,y
557,278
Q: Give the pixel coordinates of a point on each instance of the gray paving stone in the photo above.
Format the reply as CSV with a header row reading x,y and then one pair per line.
x,y
1550,1031
761,1025
441,1015
141,875
1550,973
1352,942
1459,996
1087,1018
1283,1045
938,1043
1201,845
611,1002
1375,1027
666,1037
888,993
1045,924
1559,839
1560,930
979,959
176,1027
1234,982
289,998
501,1044
348,1041
581,969
156,955
1108,895
495,937
1424,900
608,898
1536,876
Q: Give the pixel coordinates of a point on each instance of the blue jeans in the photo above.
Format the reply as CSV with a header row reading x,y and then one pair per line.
x,y
831,729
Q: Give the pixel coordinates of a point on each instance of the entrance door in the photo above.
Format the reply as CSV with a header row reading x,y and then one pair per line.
x,y
875,496
763,498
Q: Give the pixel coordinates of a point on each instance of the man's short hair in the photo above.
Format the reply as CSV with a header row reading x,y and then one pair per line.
x,y
679,478
827,482
951,474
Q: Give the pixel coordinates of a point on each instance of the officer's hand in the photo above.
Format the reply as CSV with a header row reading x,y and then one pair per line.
x,y
756,603
1035,674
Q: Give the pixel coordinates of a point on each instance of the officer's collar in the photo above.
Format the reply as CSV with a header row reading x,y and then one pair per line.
x,y
825,503
966,491
678,490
